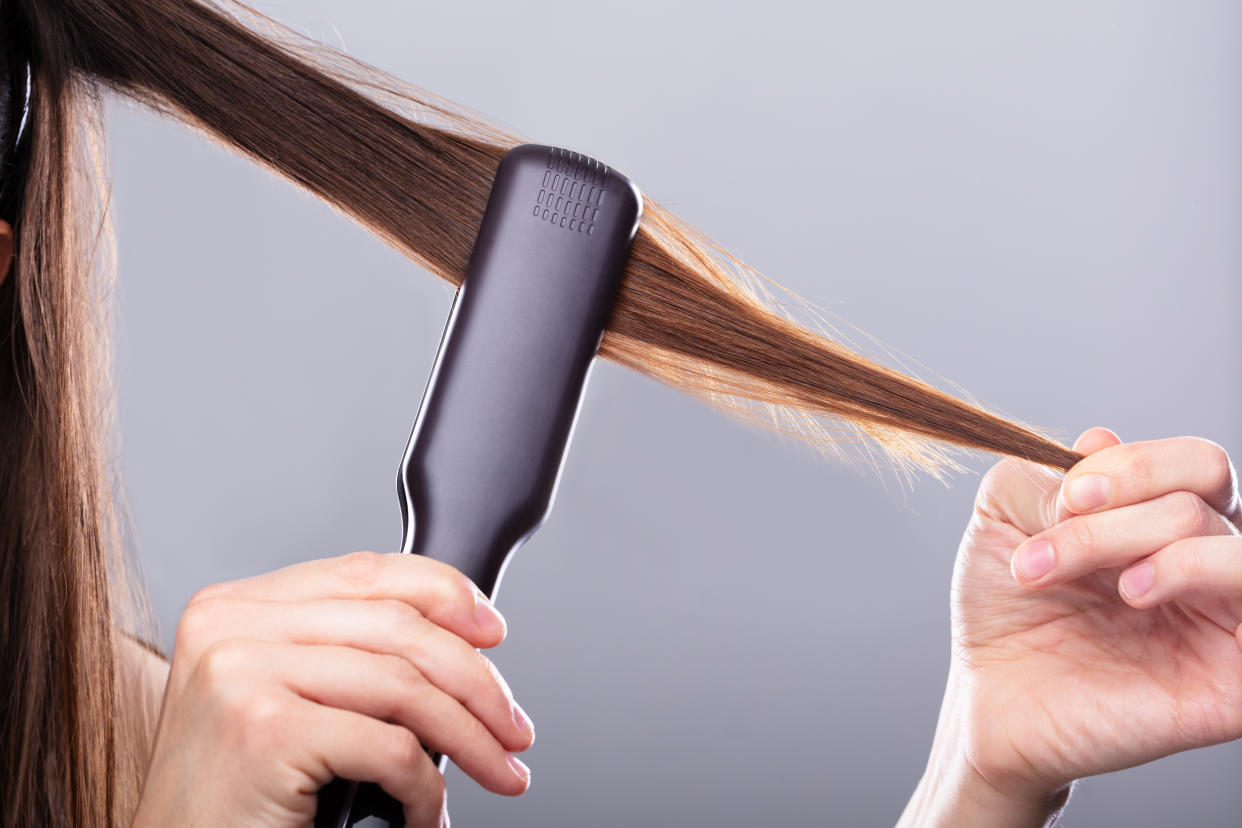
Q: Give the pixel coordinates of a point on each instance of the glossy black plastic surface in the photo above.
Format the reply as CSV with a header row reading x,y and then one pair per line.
x,y
15,80
480,471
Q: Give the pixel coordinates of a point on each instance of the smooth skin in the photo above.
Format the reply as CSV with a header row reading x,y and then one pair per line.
x,y
1095,626
343,667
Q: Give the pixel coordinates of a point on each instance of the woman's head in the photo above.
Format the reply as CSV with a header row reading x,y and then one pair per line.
x,y
60,759
416,171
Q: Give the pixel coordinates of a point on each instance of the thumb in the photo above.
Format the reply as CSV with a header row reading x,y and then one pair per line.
x,y
1094,439
1089,442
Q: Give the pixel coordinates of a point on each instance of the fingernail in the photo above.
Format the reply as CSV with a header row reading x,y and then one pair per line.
x,y
486,616
1087,492
523,721
1138,580
520,769
1034,560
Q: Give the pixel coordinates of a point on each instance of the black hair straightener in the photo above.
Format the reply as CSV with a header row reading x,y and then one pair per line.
x,y
481,468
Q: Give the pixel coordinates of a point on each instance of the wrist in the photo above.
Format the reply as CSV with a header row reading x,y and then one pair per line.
x,y
957,790
952,793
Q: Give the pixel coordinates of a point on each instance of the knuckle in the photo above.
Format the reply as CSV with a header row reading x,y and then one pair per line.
x,y
402,748
1179,565
359,568
1138,467
407,675
455,589
995,477
222,664
1078,538
262,718
197,622
998,471
1214,462
207,594
1012,481
405,689
255,716
398,614
1188,514
221,659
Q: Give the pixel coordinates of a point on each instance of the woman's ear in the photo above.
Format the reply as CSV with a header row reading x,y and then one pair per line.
x,y
6,250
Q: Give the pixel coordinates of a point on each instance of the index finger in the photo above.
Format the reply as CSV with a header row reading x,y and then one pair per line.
x,y
439,591
1131,473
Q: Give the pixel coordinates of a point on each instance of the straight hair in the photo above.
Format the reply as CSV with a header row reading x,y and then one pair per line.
x,y
415,170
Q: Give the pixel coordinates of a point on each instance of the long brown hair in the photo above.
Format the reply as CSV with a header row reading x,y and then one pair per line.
x,y
415,170
60,758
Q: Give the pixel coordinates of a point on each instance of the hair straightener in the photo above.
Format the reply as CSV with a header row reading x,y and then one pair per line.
x,y
481,468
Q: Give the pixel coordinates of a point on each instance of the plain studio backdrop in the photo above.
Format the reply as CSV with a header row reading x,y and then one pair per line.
x,y
1039,201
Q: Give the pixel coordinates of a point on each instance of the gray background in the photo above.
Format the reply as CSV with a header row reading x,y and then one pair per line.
x,y
1039,201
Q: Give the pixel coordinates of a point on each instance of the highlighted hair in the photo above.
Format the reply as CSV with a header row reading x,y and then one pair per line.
x,y
416,171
